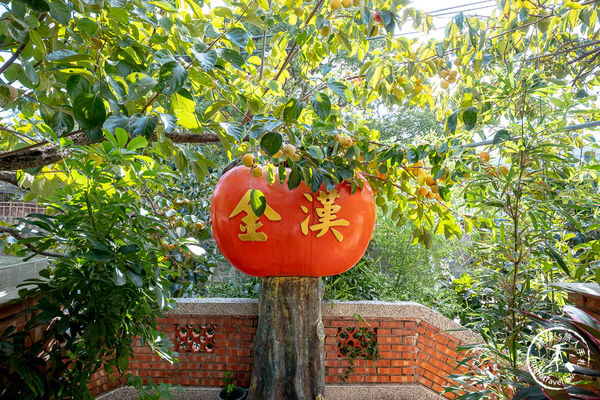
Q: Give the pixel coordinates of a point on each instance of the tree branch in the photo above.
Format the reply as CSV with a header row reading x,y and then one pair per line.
x,y
39,155
290,55
211,45
178,137
12,58
16,54
9,177
14,233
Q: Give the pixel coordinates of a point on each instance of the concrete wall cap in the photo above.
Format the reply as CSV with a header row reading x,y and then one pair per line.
x,y
586,289
366,309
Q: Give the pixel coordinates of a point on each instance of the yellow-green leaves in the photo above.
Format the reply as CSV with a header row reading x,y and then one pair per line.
x,y
184,109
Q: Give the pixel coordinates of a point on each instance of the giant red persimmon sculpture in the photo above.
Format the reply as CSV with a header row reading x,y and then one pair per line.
x,y
299,237
299,234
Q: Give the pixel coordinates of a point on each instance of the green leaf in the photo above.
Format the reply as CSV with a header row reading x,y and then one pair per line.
x,y
123,359
232,57
169,122
38,5
316,152
87,26
271,142
559,260
116,121
321,104
65,56
121,136
5,97
458,20
444,193
206,60
292,110
137,142
184,109
254,19
469,117
238,36
129,249
142,125
59,55
30,72
234,130
581,94
451,123
95,134
295,177
135,278
139,85
338,88
214,108
119,277
61,123
77,84
316,180
89,111
118,87
281,172
172,76
258,202
501,136
60,12
164,6
221,11
523,12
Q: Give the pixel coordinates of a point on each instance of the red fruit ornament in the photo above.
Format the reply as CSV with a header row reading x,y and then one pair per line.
x,y
300,233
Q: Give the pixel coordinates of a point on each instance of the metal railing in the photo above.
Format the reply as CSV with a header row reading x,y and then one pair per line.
x,y
14,209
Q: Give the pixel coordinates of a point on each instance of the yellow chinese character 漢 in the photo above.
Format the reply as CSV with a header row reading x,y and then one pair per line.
x,y
326,214
250,221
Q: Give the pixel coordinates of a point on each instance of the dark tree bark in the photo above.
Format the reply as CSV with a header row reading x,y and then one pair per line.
x,y
42,154
289,344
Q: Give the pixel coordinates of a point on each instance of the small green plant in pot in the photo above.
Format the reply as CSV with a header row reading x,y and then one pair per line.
x,y
230,391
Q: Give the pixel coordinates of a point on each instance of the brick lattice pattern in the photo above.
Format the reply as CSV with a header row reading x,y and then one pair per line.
x,y
195,338
361,342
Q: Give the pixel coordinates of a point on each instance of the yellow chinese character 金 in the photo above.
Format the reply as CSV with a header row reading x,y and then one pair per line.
x,y
327,215
250,223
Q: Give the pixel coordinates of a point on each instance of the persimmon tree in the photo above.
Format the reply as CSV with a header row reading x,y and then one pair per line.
x,y
95,73
154,78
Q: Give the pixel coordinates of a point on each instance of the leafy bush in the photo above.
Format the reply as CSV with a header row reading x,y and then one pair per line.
x,y
584,371
105,283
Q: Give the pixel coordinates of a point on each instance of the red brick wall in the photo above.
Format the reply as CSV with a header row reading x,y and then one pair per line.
x,y
411,351
14,315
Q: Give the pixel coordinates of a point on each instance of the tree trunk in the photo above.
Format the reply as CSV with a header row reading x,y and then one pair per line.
x,y
289,344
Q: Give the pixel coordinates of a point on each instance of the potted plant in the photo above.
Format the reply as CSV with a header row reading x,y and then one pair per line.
x,y
231,391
